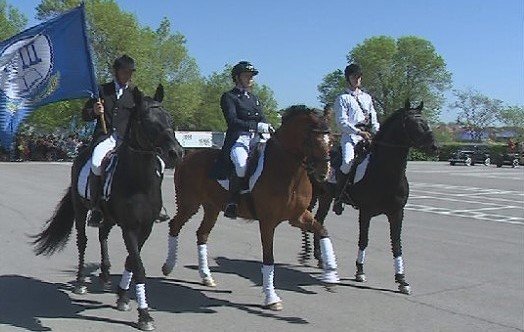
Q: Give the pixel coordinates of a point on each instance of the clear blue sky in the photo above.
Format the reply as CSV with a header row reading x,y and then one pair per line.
x,y
296,43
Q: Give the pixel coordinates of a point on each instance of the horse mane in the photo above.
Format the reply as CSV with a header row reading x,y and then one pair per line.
x,y
391,119
292,111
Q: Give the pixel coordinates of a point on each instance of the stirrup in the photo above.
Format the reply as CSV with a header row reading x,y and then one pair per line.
x,y
231,211
338,207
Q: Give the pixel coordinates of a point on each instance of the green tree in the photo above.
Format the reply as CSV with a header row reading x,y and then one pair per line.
x,y
512,116
209,115
12,21
395,70
476,111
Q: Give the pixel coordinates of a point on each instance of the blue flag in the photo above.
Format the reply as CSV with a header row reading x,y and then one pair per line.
x,y
41,65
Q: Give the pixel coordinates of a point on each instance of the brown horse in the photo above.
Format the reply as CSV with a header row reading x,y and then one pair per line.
x,y
283,192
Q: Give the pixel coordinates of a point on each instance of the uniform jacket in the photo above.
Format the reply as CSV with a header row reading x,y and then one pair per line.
x,y
350,112
116,111
242,111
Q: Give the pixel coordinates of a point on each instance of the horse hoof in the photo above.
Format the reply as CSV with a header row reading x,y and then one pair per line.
x,y
330,277
166,270
360,277
277,306
80,289
146,326
122,306
405,289
209,282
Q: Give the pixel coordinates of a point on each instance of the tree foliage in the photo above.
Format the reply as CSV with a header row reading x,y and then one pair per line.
x,y
395,70
12,21
512,116
475,111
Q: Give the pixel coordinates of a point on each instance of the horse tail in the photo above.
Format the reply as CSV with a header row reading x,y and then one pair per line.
x,y
54,237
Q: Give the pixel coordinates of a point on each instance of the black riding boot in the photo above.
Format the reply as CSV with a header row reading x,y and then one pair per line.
x,y
95,190
235,185
342,179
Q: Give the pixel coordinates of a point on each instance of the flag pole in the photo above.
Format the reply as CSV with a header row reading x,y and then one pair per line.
x,y
103,120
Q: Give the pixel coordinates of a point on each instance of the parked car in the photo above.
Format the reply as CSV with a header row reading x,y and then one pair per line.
x,y
511,159
470,157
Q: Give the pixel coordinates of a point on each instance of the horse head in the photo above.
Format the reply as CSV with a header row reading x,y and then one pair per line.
x,y
306,134
418,133
151,129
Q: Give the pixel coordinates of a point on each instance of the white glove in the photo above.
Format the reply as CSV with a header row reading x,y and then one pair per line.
x,y
263,127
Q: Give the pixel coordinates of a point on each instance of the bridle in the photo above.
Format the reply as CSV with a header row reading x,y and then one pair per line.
x,y
144,143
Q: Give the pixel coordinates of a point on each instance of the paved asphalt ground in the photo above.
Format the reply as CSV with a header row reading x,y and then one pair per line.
x,y
463,240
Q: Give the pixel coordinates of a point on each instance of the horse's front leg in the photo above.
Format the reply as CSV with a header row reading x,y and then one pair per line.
x,y
207,224
363,239
324,203
395,229
267,233
329,263
105,265
134,241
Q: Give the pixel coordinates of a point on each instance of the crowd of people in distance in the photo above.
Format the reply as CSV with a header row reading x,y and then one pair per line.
x,y
49,147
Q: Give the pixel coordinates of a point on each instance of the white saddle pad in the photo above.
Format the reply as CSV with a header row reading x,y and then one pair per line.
x,y
256,174
359,174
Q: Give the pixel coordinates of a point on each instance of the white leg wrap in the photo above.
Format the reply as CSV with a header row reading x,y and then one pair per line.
x,y
203,268
141,296
172,252
399,265
361,257
329,261
126,279
268,272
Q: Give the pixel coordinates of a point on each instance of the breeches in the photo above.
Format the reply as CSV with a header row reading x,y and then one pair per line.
x,y
239,154
100,152
348,154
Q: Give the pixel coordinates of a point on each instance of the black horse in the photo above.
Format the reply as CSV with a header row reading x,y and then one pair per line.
x,y
134,204
384,188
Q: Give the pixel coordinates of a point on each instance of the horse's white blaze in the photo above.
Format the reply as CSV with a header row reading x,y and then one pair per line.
x,y
326,139
203,268
361,257
126,279
399,265
268,273
141,296
172,248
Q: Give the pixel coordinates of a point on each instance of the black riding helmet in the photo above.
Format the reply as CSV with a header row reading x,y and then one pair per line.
x,y
124,62
243,67
352,69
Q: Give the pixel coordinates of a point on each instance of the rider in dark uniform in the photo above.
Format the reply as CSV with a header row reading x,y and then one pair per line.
x,y
245,118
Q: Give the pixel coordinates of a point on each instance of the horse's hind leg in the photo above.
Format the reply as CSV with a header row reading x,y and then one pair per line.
x,y
307,222
185,210
81,244
208,222
363,239
395,229
105,264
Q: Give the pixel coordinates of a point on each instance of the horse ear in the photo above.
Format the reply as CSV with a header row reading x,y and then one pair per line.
x,y
159,93
407,105
138,96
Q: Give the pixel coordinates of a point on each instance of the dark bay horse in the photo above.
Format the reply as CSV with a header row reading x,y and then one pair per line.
x,y
134,204
282,192
384,189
